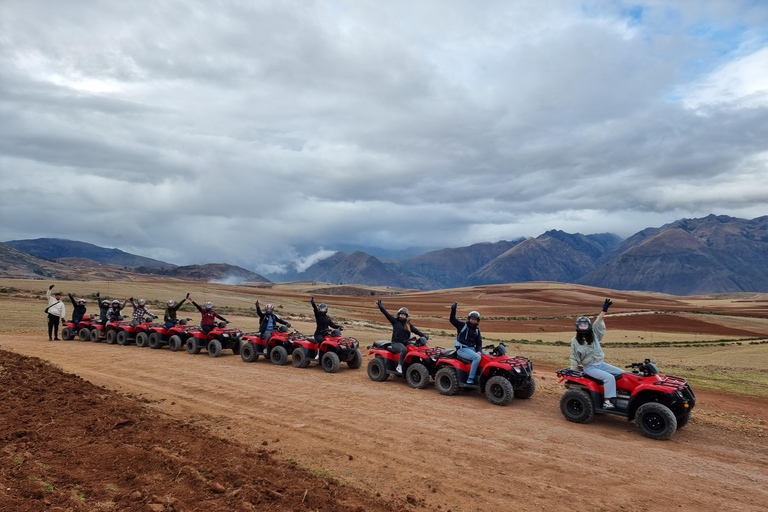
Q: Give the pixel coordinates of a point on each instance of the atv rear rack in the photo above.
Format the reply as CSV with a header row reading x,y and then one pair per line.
x,y
434,352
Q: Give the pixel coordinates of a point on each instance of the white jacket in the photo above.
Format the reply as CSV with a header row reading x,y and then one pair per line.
x,y
56,306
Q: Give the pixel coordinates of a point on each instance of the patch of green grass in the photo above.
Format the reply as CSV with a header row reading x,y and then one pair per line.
x,y
111,487
18,460
42,465
744,381
47,486
79,495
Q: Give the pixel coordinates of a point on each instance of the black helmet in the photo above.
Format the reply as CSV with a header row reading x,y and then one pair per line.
x,y
403,311
323,308
473,314
583,325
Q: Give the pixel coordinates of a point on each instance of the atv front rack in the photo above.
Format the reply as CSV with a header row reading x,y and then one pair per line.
x,y
348,343
518,362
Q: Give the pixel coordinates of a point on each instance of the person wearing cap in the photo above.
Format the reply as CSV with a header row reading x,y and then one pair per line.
x,y
56,313
78,309
208,321
267,323
402,328
469,341
586,352
170,312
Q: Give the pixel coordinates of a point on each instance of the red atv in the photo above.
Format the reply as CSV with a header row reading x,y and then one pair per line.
x,y
499,376
111,328
217,339
175,336
82,330
660,404
330,353
279,346
139,333
420,362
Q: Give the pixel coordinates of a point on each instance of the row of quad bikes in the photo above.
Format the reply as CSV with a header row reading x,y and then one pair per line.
x,y
660,404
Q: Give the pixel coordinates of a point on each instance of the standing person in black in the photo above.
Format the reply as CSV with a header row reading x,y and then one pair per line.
x,y
323,321
401,332
78,309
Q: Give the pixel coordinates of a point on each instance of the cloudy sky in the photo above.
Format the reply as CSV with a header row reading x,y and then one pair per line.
x,y
258,132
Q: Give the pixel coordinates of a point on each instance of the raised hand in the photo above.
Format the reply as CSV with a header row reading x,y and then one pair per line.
x,y
607,304
312,300
378,303
454,305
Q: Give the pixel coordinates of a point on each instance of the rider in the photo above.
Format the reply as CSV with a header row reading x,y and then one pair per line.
x,y
78,309
586,352
113,314
267,323
103,309
139,311
170,312
469,341
401,332
323,321
208,321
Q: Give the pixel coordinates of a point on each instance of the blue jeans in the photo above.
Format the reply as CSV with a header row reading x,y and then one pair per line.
x,y
170,323
469,354
605,372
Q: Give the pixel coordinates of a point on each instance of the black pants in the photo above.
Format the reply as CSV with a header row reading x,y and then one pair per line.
x,y
53,326
399,347
207,328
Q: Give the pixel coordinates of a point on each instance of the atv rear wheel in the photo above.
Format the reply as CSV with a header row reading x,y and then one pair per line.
x,y
499,391
684,419
248,352
214,348
84,334
122,338
278,355
298,358
417,376
577,406
192,347
656,421
154,341
446,381
95,335
376,370
526,391
67,334
174,343
330,362
356,361
111,337
142,339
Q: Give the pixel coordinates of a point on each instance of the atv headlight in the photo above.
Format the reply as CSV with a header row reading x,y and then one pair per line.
x,y
225,335
517,369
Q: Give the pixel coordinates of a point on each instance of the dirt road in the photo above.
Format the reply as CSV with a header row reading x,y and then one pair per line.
x,y
459,453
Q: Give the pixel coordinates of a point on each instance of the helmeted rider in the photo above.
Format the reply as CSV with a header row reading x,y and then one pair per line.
x,y
114,313
587,353
323,322
469,341
170,312
103,309
208,320
268,322
78,309
139,311
402,328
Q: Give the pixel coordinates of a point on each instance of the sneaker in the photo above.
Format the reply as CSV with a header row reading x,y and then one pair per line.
x,y
317,357
470,381
608,405
399,369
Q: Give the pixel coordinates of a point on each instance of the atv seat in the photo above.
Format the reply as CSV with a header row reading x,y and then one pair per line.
x,y
448,354
598,381
383,344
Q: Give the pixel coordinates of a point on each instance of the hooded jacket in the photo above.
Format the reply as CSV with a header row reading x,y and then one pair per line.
x,y
399,334
264,322
323,321
467,335
55,306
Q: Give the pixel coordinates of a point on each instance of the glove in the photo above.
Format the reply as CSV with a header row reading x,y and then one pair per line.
x,y
98,294
187,297
69,295
287,324
378,302
131,299
312,300
51,287
454,305
341,328
607,304
257,303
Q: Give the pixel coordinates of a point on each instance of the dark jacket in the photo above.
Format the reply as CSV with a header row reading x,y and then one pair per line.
x,y
265,319
399,334
209,315
466,334
103,310
323,321
114,314
79,310
170,312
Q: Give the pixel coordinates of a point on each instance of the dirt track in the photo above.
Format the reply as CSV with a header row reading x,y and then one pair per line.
x,y
458,453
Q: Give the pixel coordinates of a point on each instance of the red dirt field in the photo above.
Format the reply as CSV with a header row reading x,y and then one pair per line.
x,y
191,434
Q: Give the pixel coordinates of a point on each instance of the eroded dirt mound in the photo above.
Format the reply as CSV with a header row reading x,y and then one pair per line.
x,y
70,445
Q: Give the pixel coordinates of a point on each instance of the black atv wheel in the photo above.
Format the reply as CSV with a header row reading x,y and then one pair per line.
x,y
376,370
174,343
95,335
299,359
122,338
154,341
192,347
330,362
417,376
499,391
248,352
67,334
236,347
278,355
84,334
356,361
656,421
446,381
684,419
577,406
142,339
527,390
214,348
111,337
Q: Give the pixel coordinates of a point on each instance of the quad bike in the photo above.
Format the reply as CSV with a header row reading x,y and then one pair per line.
x,y
419,365
278,347
217,339
499,376
175,336
660,404
333,350
137,333
111,328
82,330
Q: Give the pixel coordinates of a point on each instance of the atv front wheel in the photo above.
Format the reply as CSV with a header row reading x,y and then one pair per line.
x,y
248,352
174,343
330,362
656,421
192,347
154,341
142,339
111,337
376,370
67,334
499,391
527,390
278,355
446,381
95,335
298,358
122,338
356,361
84,334
417,376
214,348
577,406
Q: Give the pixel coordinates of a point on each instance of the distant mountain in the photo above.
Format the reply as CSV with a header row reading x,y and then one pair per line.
x,y
55,248
716,254
314,272
553,256
222,273
362,268
14,263
450,267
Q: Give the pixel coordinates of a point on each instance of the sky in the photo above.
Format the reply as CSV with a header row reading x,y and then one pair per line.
x,y
265,134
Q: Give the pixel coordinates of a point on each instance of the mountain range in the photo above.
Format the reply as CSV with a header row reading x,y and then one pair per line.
x,y
714,254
